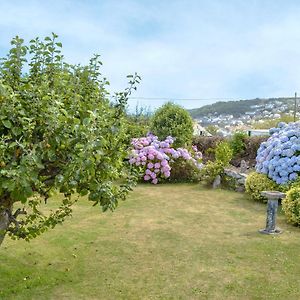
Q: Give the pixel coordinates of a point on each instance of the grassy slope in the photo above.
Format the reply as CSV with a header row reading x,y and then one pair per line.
x,y
165,242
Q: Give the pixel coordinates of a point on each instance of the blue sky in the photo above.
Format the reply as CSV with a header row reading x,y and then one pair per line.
x,y
182,49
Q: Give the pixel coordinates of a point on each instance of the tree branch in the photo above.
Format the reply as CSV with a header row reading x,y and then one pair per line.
x,y
19,211
13,219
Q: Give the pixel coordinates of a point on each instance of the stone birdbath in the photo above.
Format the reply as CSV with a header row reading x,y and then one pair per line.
x,y
273,197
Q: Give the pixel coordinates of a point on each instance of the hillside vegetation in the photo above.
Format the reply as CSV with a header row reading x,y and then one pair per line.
x,y
235,108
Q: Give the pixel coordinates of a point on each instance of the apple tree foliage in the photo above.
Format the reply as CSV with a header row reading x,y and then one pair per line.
x,y
59,132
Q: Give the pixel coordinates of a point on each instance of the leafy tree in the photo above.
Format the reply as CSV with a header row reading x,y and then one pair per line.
x,y
237,142
58,132
223,153
138,123
173,120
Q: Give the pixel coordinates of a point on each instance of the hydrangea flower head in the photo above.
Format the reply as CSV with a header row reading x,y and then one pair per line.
x,y
154,156
278,157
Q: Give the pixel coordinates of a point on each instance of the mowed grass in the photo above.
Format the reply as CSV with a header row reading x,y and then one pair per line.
x,y
165,242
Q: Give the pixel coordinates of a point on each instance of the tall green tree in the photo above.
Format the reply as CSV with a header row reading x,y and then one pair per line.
x,y
138,123
173,120
58,132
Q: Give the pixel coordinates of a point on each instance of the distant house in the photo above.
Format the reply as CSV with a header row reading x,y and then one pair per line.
x,y
200,130
250,113
223,132
258,132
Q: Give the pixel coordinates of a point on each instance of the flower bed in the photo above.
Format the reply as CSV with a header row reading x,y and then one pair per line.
x,y
155,157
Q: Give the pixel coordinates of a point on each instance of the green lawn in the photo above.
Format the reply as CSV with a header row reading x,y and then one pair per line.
x,y
165,242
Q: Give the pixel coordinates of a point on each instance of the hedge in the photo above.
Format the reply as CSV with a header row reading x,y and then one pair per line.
x,y
207,144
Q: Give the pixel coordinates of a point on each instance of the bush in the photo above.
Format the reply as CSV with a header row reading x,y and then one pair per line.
x,y
223,153
252,143
278,157
134,130
153,158
207,144
173,120
291,206
184,171
294,184
229,183
137,124
237,143
210,171
256,183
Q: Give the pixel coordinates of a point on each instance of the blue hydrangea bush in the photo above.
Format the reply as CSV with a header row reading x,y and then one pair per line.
x,y
279,156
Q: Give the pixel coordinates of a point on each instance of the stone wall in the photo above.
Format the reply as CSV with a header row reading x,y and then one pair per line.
x,y
234,180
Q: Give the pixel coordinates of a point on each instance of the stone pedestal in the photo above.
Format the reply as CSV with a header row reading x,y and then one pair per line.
x,y
273,197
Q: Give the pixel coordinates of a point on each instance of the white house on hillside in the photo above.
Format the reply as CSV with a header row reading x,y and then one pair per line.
x,y
258,132
200,130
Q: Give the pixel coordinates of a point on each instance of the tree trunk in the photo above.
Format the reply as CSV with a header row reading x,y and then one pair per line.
x,y
4,221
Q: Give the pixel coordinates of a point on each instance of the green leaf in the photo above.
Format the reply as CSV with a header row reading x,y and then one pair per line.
x,y
86,121
12,145
18,195
7,123
16,131
60,178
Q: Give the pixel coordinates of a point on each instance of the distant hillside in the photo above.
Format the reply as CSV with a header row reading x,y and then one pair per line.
x,y
236,108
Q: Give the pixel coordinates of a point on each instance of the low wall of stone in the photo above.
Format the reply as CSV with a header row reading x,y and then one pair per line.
x,y
234,179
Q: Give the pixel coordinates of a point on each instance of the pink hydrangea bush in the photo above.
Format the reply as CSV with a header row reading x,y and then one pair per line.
x,y
154,157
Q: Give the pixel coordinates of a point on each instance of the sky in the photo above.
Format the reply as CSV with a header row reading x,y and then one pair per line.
x,y
201,50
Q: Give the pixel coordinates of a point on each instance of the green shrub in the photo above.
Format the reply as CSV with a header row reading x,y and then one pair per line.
x,y
210,171
237,143
256,183
223,153
229,183
184,171
137,124
173,120
291,206
134,130
206,144
252,143
295,184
